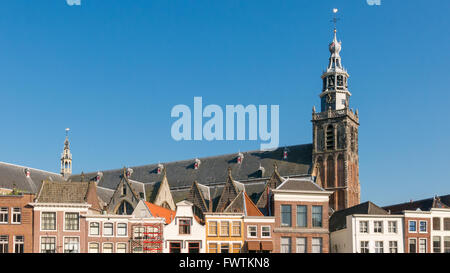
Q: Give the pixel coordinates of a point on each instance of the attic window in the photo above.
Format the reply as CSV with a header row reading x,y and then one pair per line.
x,y
160,168
240,157
197,163
124,190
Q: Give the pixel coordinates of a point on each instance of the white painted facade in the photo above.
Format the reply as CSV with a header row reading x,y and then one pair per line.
x,y
173,232
438,233
374,238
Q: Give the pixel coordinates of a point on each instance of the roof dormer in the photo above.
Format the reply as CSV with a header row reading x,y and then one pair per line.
x,y
197,164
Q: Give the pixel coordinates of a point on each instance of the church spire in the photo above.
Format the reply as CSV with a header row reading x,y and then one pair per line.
x,y
66,158
335,94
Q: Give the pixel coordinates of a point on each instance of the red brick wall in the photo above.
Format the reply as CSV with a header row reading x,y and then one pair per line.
x,y
307,232
59,233
25,228
417,235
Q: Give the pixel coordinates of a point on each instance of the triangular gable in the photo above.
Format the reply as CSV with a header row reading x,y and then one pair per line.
x,y
274,182
118,196
197,199
164,196
229,193
243,204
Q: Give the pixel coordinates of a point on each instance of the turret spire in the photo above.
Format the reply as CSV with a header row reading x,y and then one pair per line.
x,y
66,158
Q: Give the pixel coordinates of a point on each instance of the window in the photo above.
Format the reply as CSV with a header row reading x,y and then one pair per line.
x,y
392,226
378,226
446,244
412,226
393,247
301,245
121,248
446,223
18,244
212,248
194,247
212,230
93,248
124,189
265,232
317,216
252,231
224,248
412,246
48,244
3,215
301,216
236,228
108,229
423,226
285,245
4,243
175,247
364,247
436,223
121,229
72,221
138,232
363,226
379,247
436,243
330,137
107,248
94,228
316,245
185,226
16,216
138,249
71,245
236,248
48,221
224,228
422,245
286,215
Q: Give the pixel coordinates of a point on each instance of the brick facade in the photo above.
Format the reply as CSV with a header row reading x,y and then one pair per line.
x,y
417,235
14,229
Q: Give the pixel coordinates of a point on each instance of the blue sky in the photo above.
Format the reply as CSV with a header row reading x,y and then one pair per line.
x,y
112,71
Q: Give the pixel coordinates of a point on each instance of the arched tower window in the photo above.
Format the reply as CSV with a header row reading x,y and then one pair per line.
x,y
330,172
340,171
330,137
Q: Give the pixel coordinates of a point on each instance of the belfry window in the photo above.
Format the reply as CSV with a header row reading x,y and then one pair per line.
x,y
330,137
340,80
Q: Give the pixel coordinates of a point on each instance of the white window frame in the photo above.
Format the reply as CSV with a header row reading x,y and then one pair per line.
x,y
15,242
426,226
64,222
378,247
320,239
249,232
107,243
365,246
392,225
103,230
393,247
375,229
426,242
222,234
64,243
121,243
412,231
4,211
217,228
94,243
305,245
117,230
42,217
90,233
13,213
361,226
46,236
262,232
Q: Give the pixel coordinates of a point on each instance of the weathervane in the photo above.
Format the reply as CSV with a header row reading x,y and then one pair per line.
x,y
67,131
335,19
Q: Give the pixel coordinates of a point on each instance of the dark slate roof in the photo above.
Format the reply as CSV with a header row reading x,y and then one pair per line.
x,y
213,170
424,205
105,194
14,176
299,185
338,218
62,192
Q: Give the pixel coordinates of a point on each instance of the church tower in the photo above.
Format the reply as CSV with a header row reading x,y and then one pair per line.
x,y
66,158
335,135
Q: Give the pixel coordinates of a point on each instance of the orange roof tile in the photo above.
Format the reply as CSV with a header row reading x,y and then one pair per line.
x,y
251,208
158,211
